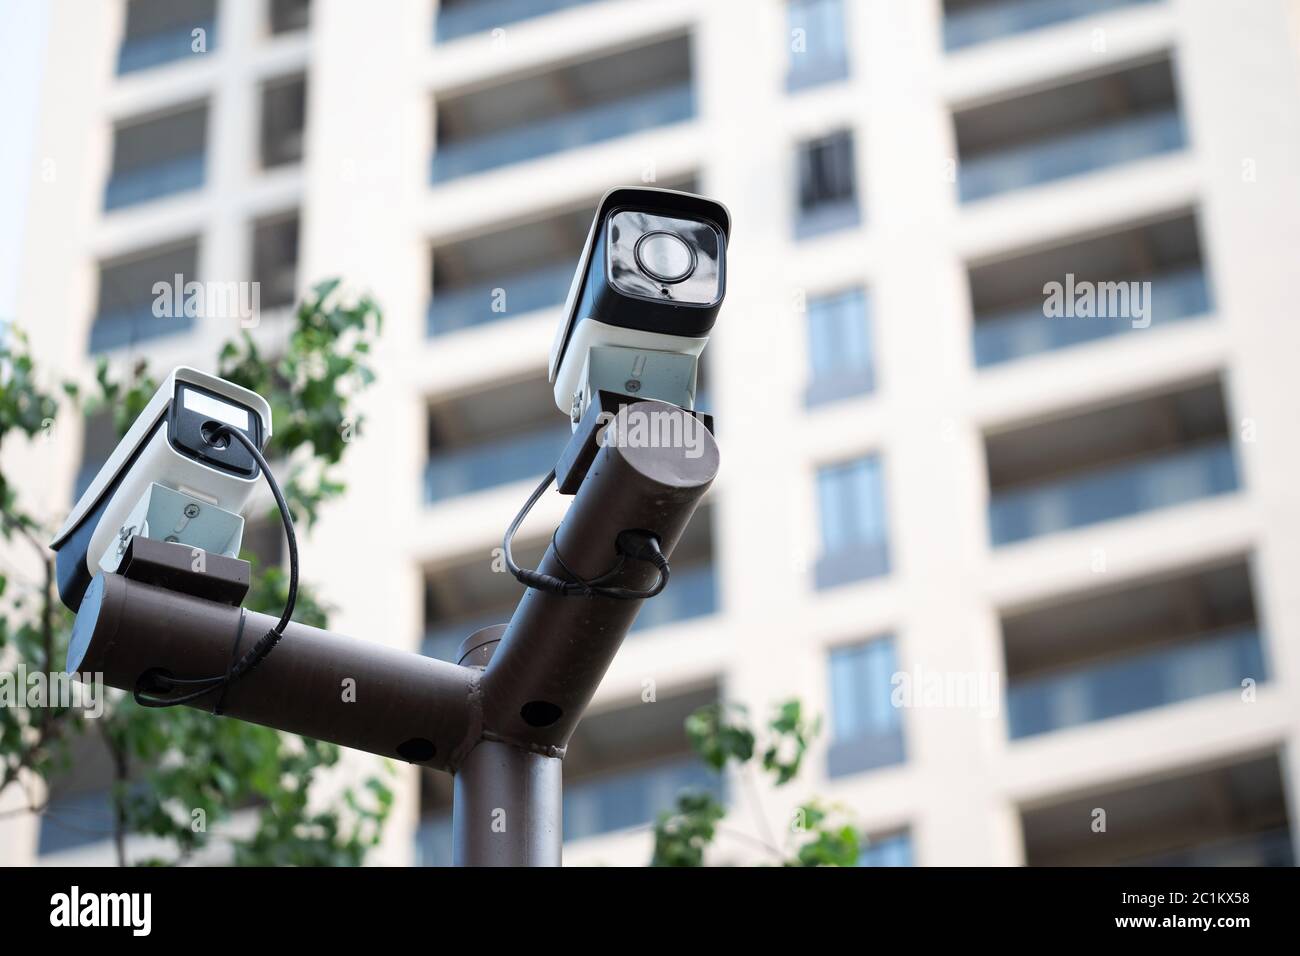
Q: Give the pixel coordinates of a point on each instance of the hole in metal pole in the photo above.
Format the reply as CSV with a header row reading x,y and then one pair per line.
x,y
540,713
416,750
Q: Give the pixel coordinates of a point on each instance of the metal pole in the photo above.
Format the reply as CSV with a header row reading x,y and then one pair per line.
x,y
556,649
507,803
324,685
508,808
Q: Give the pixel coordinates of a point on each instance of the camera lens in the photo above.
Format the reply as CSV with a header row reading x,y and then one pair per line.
x,y
665,256
211,432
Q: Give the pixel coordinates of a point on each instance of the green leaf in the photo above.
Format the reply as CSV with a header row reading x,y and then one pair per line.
x,y
683,834
719,733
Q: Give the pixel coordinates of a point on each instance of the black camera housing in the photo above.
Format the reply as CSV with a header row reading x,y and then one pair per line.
x,y
614,284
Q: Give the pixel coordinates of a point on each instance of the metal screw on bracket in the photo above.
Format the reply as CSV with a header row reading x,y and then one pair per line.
x,y
191,510
632,385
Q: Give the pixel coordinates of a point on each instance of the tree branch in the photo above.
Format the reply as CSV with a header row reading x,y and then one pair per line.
x,y
120,773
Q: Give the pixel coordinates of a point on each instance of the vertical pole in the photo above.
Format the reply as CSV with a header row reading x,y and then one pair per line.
x,y
541,670
507,808
507,803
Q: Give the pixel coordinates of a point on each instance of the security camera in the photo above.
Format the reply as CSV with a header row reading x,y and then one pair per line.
x,y
649,284
176,476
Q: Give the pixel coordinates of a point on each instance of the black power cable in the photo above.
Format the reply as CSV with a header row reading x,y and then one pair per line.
x,y
635,544
258,652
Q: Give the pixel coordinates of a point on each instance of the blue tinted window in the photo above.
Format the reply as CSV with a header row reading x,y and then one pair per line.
x,y
839,347
852,504
817,50
827,186
894,849
861,689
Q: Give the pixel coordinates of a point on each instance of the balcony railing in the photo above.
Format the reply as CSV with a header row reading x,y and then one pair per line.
x,y
493,463
603,804
673,104
1266,848
1119,491
617,801
827,217
865,751
121,327
893,850
463,19
869,559
1177,295
839,384
155,181
990,21
1137,682
1071,154
154,49
691,592
808,70
75,821
468,306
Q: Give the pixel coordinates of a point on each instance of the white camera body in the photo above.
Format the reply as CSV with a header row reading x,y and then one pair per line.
x,y
649,284
171,478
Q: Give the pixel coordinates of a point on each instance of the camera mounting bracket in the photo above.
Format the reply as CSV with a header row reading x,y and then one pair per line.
x,y
574,462
186,570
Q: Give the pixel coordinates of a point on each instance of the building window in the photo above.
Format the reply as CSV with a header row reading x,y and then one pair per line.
x,y
827,195
1210,815
1012,321
275,260
839,347
970,22
129,311
505,272
866,727
567,107
1078,127
817,50
491,437
888,849
158,156
1101,655
287,16
1137,455
161,31
460,18
624,767
284,120
854,530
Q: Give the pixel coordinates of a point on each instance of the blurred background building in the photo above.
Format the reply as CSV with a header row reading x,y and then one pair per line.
x,y
921,473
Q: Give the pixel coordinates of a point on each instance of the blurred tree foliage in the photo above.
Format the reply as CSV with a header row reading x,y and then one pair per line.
x,y
180,773
721,734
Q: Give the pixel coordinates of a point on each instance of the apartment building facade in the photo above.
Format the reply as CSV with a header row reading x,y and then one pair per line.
x,y
1073,538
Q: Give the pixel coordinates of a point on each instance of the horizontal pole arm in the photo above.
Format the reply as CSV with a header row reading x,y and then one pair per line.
x,y
317,683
